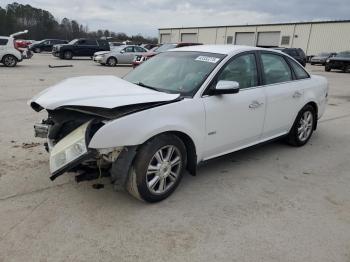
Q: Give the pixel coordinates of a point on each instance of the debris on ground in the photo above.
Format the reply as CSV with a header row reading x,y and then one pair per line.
x,y
29,145
57,66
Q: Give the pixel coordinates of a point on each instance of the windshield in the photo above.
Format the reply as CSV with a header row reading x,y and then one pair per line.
x,y
344,54
175,72
73,41
165,47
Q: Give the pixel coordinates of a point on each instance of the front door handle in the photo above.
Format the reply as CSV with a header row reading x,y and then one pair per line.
x,y
255,104
297,94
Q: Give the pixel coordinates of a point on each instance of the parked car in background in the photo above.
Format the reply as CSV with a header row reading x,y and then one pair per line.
x,y
182,107
119,55
341,62
114,44
139,59
80,47
150,46
297,53
46,45
10,53
321,58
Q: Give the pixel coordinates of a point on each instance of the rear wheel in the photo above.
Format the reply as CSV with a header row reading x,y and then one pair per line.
x,y
112,61
303,127
68,55
9,61
157,168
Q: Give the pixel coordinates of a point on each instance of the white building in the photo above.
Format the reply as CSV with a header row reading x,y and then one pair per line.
x,y
312,37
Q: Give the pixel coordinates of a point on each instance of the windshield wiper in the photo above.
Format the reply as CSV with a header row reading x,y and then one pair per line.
x,y
147,86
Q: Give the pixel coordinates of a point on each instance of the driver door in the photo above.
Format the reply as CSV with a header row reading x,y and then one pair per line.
x,y
234,121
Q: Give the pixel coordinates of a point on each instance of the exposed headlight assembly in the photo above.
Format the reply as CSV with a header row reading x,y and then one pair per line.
x,y
327,61
69,150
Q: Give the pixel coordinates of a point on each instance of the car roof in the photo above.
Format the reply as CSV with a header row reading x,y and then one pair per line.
x,y
219,49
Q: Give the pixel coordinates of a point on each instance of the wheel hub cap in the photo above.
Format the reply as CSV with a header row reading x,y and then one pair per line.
x,y
305,126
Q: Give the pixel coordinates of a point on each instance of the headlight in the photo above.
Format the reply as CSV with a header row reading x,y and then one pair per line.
x,y
327,61
70,148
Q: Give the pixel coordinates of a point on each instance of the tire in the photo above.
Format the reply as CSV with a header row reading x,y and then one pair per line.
x,y
112,61
157,183
68,55
312,63
37,50
9,61
346,68
303,127
327,68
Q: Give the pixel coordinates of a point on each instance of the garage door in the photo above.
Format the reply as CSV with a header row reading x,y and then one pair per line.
x,y
165,38
269,39
189,38
245,39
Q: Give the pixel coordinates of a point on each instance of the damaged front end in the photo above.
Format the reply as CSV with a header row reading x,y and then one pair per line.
x,y
69,130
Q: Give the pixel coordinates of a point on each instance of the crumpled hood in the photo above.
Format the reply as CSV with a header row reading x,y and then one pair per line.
x,y
97,91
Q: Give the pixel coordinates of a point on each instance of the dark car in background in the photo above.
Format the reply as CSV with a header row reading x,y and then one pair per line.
x,y
139,59
321,58
45,45
341,62
80,47
297,53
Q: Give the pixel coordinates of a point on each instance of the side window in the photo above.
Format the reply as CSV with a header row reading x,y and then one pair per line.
x,y
275,68
129,49
90,42
300,73
242,70
139,49
82,42
3,41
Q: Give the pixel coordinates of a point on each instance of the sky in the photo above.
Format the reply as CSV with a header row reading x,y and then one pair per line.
x,y
146,16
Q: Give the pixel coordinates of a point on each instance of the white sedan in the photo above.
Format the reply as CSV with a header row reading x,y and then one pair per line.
x,y
178,109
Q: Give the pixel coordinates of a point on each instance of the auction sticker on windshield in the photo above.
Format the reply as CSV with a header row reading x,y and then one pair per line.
x,y
208,59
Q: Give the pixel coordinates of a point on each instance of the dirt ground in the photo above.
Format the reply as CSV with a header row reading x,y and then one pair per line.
x,y
269,203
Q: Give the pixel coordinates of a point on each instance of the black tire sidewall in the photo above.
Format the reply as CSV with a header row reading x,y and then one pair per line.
x,y
4,58
112,58
327,68
68,52
144,156
293,137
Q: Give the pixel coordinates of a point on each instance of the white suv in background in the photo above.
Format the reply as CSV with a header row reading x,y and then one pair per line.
x,y
10,55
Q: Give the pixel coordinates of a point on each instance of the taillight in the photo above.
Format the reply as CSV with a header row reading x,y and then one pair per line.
x,y
15,44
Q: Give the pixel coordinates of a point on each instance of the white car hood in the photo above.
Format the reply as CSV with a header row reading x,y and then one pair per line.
x,y
97,91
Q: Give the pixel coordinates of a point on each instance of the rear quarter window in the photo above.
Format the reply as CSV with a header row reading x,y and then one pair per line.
x,y
299,71
3,41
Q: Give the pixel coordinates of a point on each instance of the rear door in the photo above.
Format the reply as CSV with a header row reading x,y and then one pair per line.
x,y
284,93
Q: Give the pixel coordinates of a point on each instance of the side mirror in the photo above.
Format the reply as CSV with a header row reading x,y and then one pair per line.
x,y
226,87
122,51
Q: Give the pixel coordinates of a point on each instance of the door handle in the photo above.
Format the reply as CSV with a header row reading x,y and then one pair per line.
x,y
255,104
297,94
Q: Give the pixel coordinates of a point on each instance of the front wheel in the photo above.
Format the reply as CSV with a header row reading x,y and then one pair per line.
x,y
9,61
157,168
112,61
37,50
303,127
68,55
327,68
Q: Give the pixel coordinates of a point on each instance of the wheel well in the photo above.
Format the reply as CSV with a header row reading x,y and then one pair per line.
x,y
314,105
190,148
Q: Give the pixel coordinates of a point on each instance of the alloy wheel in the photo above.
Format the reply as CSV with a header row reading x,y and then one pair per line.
x,y
164,169
305,126
10,61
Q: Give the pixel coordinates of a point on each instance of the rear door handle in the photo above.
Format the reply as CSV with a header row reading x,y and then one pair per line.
x,y
255,104
297,94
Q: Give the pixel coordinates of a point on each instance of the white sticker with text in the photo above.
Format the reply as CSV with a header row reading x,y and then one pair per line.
x,y
208,59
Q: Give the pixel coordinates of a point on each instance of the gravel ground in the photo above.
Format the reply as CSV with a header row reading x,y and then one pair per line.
x,y
269,203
